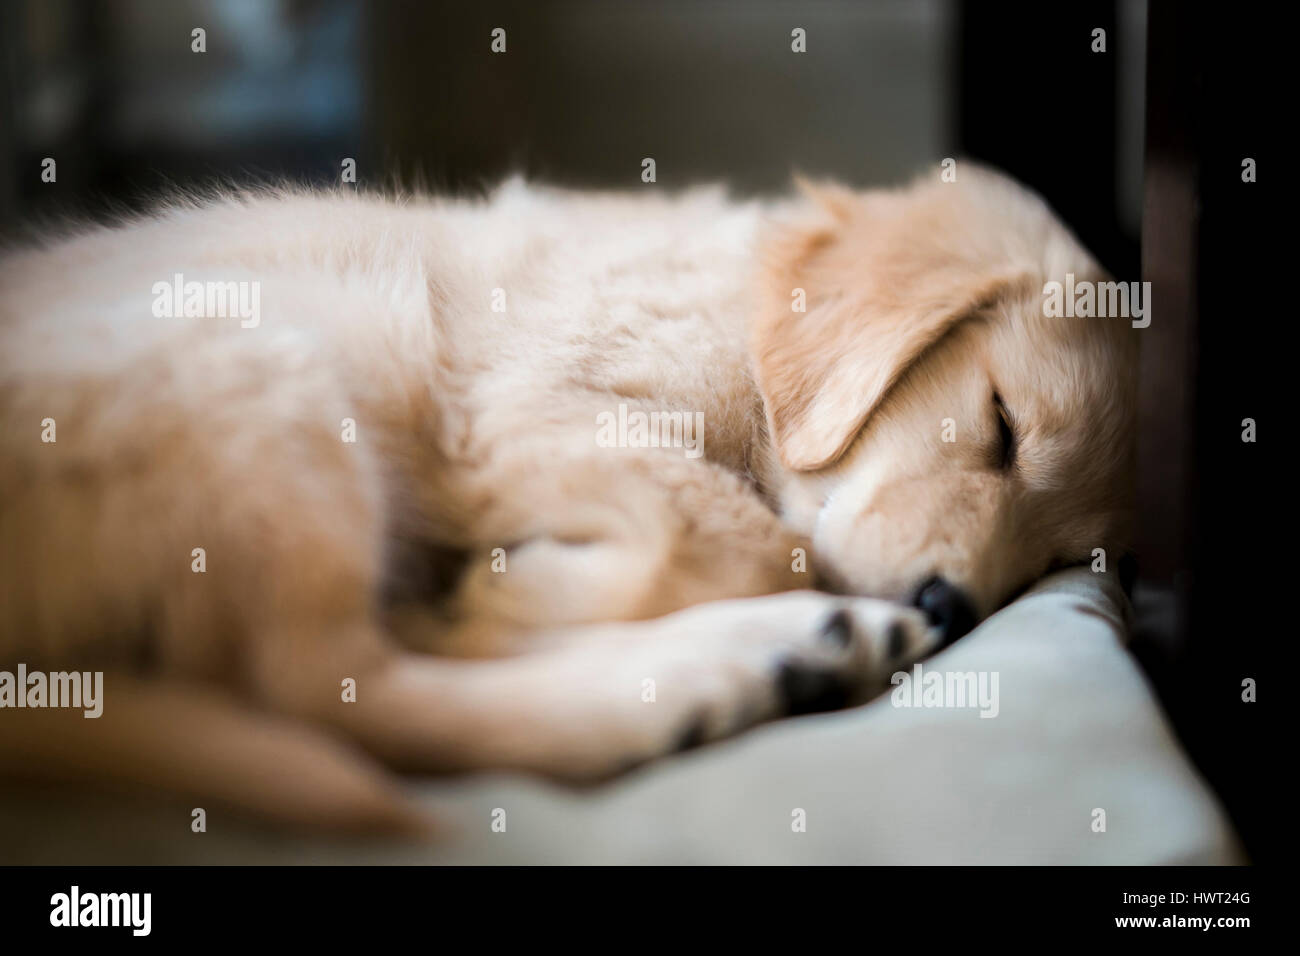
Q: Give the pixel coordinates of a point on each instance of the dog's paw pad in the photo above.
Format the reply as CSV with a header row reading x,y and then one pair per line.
x,y
808,688
694,735
897,640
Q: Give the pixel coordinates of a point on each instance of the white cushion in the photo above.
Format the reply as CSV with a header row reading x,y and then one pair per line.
x,y
1077,729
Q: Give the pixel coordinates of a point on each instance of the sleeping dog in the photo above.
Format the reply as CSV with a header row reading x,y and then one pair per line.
x,y
388,524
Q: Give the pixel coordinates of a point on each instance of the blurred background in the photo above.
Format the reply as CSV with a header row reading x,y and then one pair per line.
x,y
1138,147
585,90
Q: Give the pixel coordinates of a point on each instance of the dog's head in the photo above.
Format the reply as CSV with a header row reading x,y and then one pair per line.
x,y
942,440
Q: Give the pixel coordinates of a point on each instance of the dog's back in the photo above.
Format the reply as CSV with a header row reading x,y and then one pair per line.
x,y
217,419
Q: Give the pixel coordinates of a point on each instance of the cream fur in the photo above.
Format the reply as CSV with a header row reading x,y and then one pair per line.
x,y
476,431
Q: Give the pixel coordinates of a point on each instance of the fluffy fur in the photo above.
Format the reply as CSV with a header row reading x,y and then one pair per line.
x,y
376,560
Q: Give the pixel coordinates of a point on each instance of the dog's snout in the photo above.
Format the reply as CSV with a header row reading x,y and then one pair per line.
x,y
947,608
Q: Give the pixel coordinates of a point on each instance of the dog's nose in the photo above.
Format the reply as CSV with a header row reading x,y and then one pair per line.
x,y
946,607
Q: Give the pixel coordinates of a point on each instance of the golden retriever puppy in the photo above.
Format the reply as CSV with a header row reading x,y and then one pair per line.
x,y
325,483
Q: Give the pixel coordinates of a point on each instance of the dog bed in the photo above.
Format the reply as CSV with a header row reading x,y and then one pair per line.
x,y
1078,765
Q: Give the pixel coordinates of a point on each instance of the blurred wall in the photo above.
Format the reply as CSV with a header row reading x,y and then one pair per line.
x,y
585,90
711,90
114,92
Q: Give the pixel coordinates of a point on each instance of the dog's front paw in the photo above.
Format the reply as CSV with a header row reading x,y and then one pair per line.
x,y
800,652
712,670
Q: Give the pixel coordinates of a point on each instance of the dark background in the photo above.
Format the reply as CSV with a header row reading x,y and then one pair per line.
x,y
586,89
1139,148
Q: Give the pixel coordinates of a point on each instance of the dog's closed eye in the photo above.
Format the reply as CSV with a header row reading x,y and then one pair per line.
x,y
1005,450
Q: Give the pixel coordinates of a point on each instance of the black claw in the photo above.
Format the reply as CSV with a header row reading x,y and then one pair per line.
x,y
809,689
897,640
838,628
693,736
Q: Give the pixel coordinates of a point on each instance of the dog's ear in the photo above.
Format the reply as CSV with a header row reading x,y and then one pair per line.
x,y
853,293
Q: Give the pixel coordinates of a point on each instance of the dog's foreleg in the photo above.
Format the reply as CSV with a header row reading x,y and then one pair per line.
x,y
608,697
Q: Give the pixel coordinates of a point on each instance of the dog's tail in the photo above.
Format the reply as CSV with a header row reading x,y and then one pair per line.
x,y
205,746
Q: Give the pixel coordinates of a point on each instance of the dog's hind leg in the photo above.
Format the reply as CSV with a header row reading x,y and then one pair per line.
x,y
204,745
607,538
206,529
